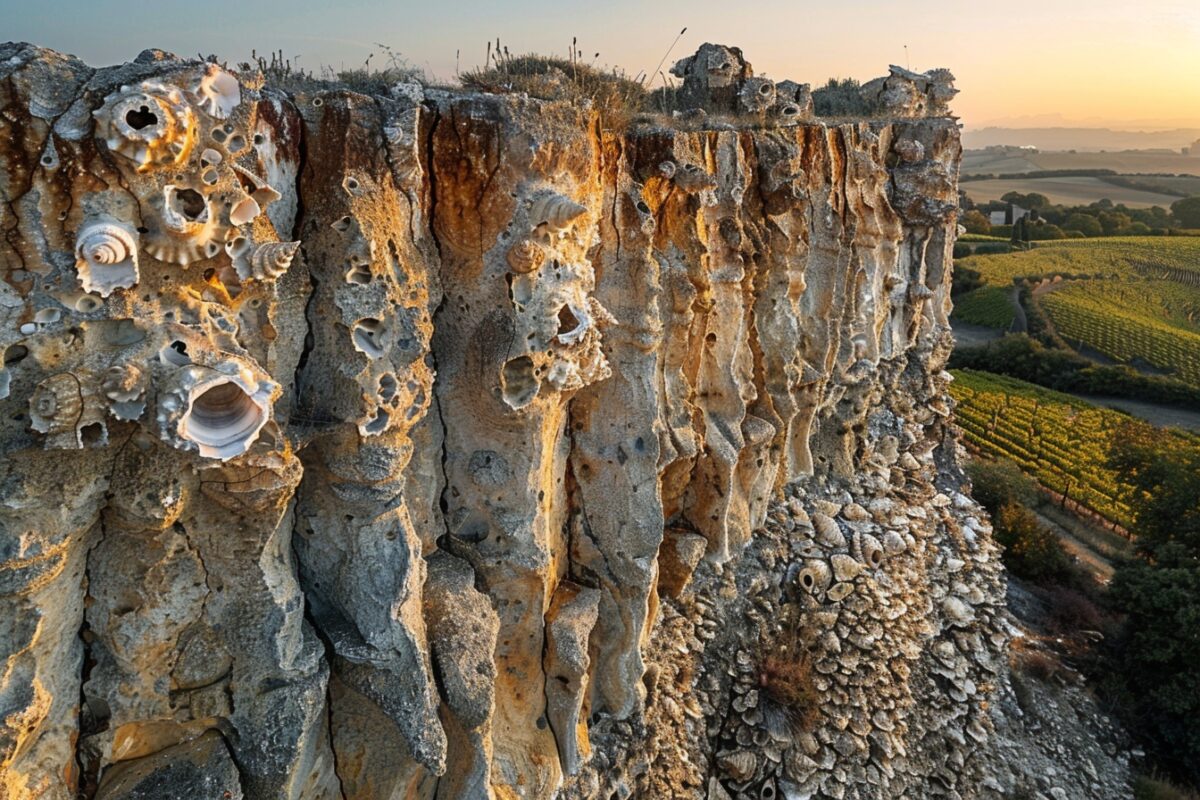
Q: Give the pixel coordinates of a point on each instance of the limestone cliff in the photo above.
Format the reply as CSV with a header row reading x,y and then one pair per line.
x,y
450,445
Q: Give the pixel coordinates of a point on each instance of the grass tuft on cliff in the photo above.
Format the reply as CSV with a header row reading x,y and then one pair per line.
x,y
614,95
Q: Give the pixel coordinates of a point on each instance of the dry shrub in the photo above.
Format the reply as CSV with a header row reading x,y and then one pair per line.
x,y
1071,611
1146,787
1026,659
785,681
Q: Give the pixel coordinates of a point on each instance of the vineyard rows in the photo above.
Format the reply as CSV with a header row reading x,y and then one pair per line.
x,y
1060,441
1152,320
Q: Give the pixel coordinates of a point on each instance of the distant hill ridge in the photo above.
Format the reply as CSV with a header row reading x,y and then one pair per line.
x,y
1081,139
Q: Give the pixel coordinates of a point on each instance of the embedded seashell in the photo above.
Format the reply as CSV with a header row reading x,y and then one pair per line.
x,y
827,530
106,257
123,382
525,256
270,260
845,568
868,550
957,612
576,321
855,512
756,95
56,408
814,577
245,211
218,92
260,191
739,765
667,169
217,413
186,225
150,125
893,543
185,210
554,211
840,591
124,385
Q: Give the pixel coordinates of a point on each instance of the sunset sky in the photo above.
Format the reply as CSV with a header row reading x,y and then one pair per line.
x,y
1100,63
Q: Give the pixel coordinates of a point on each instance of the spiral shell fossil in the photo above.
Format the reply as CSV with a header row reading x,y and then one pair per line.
x,y
526,256
106,257
814,577
267,261
554,211
868,550
150,125
56,409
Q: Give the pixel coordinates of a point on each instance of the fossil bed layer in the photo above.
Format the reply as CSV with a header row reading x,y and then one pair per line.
x,y
448,445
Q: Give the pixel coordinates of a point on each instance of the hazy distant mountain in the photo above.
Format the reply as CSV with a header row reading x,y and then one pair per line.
x,y
1082,139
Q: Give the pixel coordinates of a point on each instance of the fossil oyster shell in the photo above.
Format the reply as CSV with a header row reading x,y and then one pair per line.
x,y
151,124
261,193
739,765
218,92
553,212
217,412
106,257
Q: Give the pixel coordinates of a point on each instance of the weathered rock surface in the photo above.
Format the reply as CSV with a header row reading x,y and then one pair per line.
x,y
444,445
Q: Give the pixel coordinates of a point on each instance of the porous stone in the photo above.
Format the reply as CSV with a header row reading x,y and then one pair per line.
x,y
439,444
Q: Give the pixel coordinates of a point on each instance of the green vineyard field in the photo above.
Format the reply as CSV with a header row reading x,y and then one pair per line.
x,y
1060,441
1124,257
1129,298
987,305
1151,320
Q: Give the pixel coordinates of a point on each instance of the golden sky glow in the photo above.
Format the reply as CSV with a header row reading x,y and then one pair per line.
x,y
1131,65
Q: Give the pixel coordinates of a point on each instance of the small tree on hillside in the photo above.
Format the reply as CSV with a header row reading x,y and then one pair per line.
x,y
1187,212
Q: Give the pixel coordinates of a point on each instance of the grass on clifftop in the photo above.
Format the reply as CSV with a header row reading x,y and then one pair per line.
x,y
614,95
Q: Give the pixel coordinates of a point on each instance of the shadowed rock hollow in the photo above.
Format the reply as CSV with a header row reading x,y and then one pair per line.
x,y
447,445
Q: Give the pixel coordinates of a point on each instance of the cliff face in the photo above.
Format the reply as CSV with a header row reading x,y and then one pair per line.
x,y
450,446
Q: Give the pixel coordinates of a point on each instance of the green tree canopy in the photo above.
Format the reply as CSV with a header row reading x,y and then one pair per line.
x,y
1187,212
976,222
1087,225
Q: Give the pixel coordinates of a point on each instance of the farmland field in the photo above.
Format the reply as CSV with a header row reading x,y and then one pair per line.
x,y
987,305
1057,439
1125,320
1126,257
1075,191
1129,298
977,162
